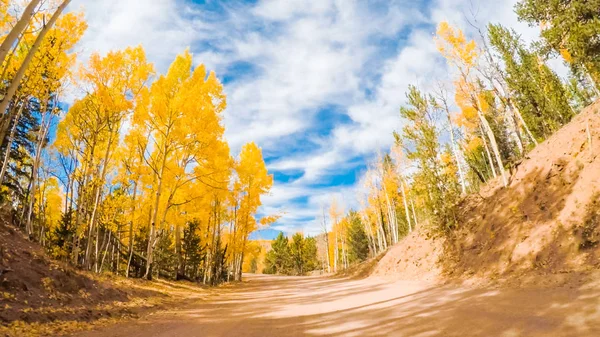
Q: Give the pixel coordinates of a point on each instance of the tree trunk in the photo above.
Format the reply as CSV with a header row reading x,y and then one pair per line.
x,y
335,253
45,125
488,153
16,31
405,206
412,205
495,148
520,117
16,81
152,234
130,257
391,214
11,138
178,251
461,175
99,189
105,248
326,242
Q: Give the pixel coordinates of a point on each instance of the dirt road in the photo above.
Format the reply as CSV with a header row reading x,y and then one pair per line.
x,y
314,306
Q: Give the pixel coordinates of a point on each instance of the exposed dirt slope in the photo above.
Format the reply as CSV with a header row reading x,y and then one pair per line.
x,y
39,296
543,228
546,222
414,258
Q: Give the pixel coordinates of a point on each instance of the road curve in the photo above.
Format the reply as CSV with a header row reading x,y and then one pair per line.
x,y
317,306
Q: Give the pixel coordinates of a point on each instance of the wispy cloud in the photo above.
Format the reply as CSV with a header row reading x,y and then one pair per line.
x,y
317,84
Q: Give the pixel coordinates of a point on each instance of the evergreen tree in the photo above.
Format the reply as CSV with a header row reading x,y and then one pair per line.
x,y
191,250
297,253
295,257
439,192
537,91
278,259
311,260
569,27
359,242
165,255
61,238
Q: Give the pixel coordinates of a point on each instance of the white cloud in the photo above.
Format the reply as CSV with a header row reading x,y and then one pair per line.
x,y
158,25
303,55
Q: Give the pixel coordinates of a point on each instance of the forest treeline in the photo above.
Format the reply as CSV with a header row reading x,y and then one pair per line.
x,y
135,177
500,101
297,256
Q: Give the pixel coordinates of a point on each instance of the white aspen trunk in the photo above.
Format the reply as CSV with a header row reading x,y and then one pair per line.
x,y
16,81
520,145
151,234
391,217
592,82
11,138
16,31
405,206
45,124
118,257
381,232
335,253
522,121
369,231
495,148
326,242
508,104
461,175
487,151
97,247
412,205
133,199
380,239
343,248
92,222
99,268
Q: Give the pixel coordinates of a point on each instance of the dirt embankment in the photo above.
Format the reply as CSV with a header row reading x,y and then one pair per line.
x,y
42,297
414,258
543,228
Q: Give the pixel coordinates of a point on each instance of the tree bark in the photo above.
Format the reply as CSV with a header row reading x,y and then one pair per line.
x,y
11,138
16,81
16,31
45,124
326,242
405,206
151,235
99,188
520,117
494,144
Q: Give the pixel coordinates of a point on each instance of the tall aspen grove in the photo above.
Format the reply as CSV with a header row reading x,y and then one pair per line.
x,y
299,168
500,100
114,167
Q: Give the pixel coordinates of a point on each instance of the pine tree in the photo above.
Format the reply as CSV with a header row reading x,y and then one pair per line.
x,y
568,27
438,191
278,259
536,89
358,241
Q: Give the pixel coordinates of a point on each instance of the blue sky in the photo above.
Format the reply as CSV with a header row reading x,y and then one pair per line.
x,y
316,83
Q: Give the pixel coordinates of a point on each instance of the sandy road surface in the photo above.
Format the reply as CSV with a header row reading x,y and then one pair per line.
x,y
313,306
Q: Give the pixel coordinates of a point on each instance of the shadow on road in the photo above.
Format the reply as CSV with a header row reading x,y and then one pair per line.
x,y
314,306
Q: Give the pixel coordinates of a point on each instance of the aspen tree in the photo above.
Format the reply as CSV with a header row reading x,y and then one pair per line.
x,y
462,54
